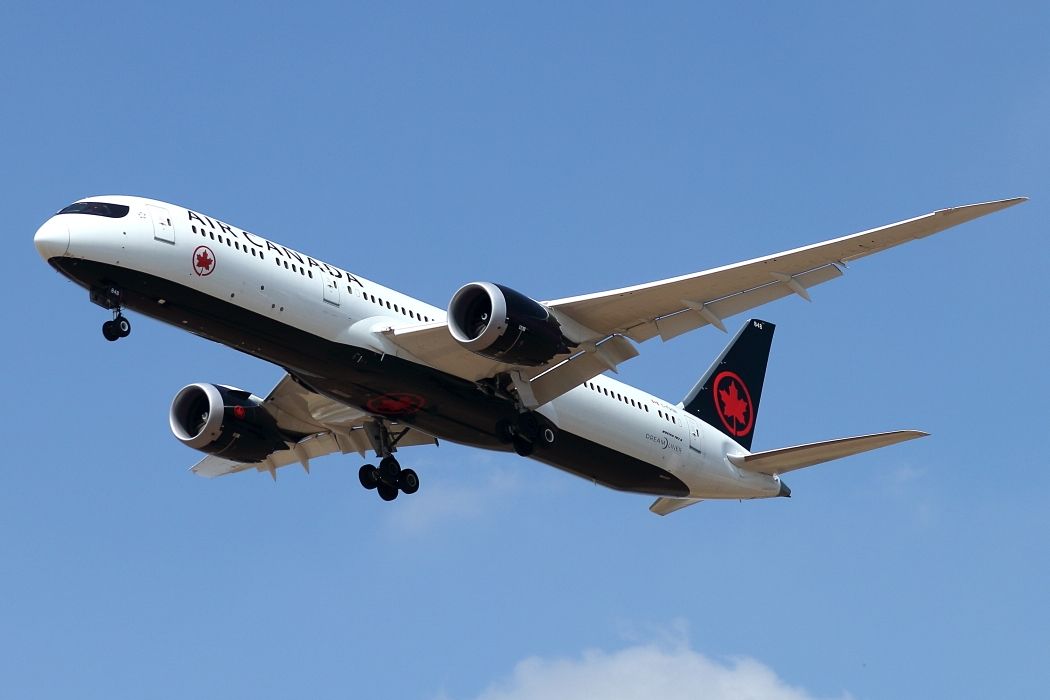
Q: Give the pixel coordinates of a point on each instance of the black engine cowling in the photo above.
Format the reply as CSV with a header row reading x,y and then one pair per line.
x,y
499,323
224,421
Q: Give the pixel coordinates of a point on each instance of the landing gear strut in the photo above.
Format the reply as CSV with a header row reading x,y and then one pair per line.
x,y
388,478
112,298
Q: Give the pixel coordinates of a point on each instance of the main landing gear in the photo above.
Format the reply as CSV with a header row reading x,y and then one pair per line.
x,y
527,432
388,479
112,298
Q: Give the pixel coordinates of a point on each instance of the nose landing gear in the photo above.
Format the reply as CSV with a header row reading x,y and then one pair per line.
x,y
111,298
119,327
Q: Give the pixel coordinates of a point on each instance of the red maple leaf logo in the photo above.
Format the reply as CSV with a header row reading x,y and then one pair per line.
x,y
733,406
203,261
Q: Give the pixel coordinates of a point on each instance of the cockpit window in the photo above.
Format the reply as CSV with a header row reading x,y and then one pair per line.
x,y
113,211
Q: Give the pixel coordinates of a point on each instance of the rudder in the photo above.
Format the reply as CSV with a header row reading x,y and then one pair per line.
x,y
728,394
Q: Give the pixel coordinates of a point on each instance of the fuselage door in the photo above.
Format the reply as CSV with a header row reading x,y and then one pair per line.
x,y
331,290
162,227
693,426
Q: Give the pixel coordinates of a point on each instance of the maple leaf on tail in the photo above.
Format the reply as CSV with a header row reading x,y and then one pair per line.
x,y
734,406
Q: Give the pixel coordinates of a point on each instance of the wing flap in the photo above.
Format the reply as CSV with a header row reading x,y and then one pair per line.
x,y
788,459
434,345
701,313
579,368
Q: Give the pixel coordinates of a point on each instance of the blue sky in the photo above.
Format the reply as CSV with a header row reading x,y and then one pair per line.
x,y
559,150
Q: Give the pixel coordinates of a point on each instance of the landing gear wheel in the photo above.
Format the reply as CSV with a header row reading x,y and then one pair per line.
x,y
522,446
110,331
408,481
123,326
389,470
387,493
528,426
369,478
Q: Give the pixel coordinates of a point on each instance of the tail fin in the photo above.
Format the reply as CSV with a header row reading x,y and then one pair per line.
x,y
728,394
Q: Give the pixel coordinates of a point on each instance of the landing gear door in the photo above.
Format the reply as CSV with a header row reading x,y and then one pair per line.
x,y
163,230
331,290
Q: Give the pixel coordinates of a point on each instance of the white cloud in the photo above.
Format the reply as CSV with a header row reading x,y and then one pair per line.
x,y
643,672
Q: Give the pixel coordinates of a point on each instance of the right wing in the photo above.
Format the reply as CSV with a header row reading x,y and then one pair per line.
x,y
318,425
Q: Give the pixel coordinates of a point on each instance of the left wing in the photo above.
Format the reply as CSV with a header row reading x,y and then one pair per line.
x,y
670,307
601,323
322,426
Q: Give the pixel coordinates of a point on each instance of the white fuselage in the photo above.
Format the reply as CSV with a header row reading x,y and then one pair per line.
x,y
256,275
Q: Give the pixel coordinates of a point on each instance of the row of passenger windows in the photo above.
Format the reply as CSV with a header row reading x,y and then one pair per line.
x,y
230,243
629,401
307,273
393,307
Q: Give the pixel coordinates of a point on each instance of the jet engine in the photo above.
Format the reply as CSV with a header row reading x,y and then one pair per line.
x,y
499,323
224,421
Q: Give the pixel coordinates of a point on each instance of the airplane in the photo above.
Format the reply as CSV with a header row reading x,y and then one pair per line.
x,y
368,368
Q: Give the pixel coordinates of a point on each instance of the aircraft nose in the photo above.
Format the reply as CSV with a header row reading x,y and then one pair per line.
x,y
52,239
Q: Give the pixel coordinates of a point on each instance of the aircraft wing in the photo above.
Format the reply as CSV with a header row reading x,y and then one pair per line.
x,y
317,426
602,323
670,307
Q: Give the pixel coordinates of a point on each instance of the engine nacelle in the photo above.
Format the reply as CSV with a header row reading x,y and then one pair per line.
x,y
225,422
499,323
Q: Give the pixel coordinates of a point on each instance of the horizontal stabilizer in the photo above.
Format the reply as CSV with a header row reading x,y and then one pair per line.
x,y
665,506
788,459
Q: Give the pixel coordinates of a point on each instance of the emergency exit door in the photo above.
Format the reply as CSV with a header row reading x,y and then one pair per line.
x,y
163,230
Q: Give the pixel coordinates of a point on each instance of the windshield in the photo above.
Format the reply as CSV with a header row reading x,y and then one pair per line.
x,y
113,211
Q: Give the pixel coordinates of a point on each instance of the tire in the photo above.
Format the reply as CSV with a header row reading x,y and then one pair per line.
x,y
110,331
390,468
528,425
367,476
387,493
123,326
522,446
408,481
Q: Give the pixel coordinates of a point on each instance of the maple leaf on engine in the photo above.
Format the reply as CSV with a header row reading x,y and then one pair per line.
x,y
734,406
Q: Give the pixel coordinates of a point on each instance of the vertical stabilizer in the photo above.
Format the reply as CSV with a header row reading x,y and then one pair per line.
x,y
728,394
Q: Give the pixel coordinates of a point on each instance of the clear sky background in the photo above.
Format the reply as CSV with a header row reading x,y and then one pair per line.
x,y
559,150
